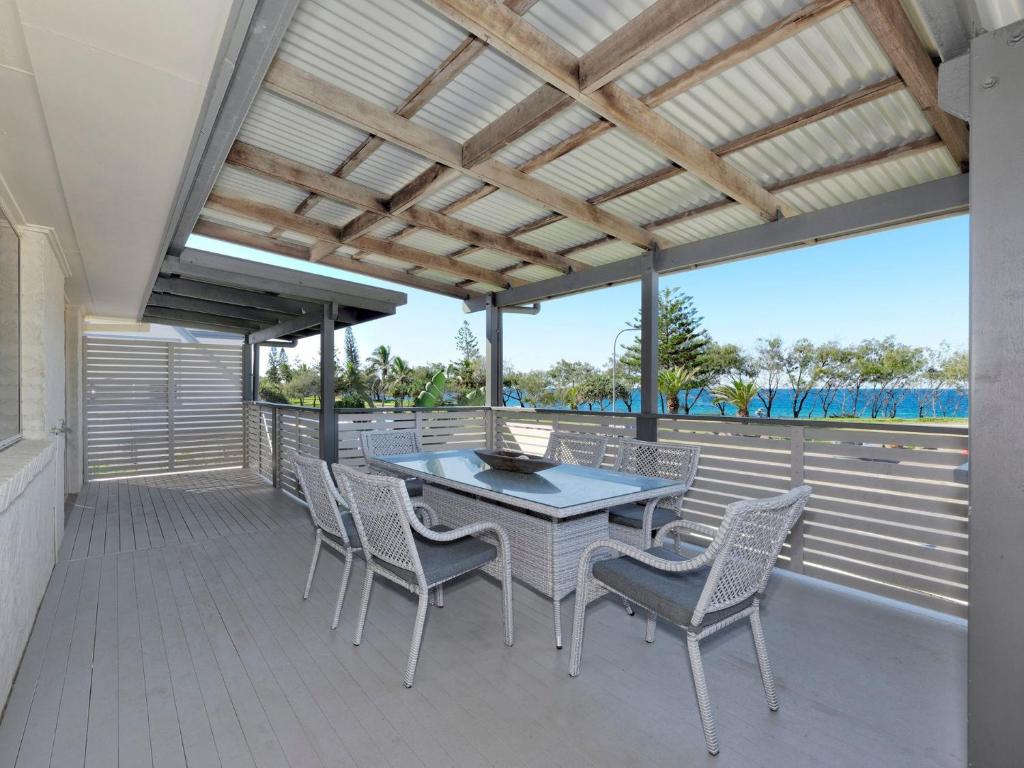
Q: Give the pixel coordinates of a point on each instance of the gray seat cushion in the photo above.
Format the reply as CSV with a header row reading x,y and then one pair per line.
x,y
350,529
414,486
442,561
671,595
632,516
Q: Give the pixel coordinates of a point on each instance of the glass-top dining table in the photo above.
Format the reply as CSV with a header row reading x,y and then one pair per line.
x,y
550,516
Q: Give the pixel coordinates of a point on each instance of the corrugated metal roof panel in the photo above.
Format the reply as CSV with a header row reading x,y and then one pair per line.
x,y
606,254
560,127
501,211
678,193
716,223
534,272
451,192
489,259
236,221
608,161
298,133
332,212
432,242
444,277
877,125
386,228
560,235
479,95
579,25
836,56
238,183
895,174
389,169
380,51
384,261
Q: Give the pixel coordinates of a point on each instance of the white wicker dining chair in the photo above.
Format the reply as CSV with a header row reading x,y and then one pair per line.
x,y
334,525
400,548
576,448
635,523
393,442
703,595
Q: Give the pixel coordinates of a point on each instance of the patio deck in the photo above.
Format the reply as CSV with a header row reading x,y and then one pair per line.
x,y
173,633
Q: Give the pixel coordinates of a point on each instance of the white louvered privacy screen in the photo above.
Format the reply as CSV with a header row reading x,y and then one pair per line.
x,y
156,406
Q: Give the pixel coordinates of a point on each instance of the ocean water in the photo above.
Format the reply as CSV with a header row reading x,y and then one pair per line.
x,y
910,404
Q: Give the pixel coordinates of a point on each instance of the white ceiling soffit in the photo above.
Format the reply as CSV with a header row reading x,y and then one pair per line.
x,y
108,94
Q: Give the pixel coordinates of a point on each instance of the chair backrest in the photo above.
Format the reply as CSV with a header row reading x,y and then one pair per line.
x,y
389,442
670,461
749,540
319,492
576,448
381,510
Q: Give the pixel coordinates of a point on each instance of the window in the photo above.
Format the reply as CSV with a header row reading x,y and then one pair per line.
x,y
10,334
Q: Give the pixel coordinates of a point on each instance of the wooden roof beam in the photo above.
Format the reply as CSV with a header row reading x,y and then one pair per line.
x,y
306,89
237,236
329,233
282,169
541,55
889,24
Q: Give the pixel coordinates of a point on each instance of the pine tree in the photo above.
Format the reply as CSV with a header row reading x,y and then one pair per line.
x,y
351,350
273,366
466,343
682,341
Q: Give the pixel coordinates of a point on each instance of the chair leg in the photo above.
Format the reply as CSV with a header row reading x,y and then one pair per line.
x,y
312,565
342,588
700,687
556,609
439,596
417,638
506,604
767,679
652,622
364,606
629,607
578,619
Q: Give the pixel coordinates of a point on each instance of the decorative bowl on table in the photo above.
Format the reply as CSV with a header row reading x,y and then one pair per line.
x,y
514,461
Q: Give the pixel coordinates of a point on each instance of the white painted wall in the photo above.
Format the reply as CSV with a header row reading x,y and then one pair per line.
x,y
32,471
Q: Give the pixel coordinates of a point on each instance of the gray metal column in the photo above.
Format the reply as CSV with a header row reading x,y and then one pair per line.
x,y
495,354
328,421
995,687
647,419
247,388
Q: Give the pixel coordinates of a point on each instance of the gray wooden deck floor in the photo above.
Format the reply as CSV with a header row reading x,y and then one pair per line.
x,y
173,633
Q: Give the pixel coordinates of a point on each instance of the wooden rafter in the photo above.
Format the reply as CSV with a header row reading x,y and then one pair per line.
x,y
242,237
644,35
324,232
756,43
889,24
345,191
433,84
304,88
532,111
541,55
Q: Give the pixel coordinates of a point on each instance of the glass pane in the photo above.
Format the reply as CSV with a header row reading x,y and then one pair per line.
x,y
560,487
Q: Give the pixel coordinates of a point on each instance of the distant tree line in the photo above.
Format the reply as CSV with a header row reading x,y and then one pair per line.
x,y
871,378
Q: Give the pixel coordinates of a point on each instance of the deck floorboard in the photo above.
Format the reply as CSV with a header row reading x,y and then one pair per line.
x,y
173,633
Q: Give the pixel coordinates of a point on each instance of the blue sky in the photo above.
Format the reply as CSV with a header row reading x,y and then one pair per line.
x,y
909,282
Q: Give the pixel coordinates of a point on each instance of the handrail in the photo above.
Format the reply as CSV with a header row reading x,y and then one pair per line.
x,y
951,429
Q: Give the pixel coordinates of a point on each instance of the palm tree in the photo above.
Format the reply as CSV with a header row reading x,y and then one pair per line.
x,y
378,364
673,380
401,379
738,393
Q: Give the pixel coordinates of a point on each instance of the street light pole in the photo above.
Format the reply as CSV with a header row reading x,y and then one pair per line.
x,y
615,349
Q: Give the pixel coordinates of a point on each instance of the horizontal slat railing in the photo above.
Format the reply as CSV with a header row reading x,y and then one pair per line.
x,y
440,428
886,515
